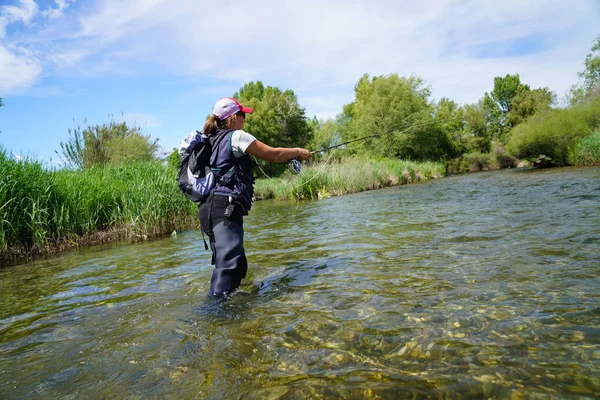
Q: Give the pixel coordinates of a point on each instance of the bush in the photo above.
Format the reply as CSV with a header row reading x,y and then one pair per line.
x,y
587,150
503,158
548,137
475,162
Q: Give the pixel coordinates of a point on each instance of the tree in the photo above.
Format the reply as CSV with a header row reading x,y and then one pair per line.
x,y
589,88
527,103
499,103
277,120
451,119
511,103
326,133
112,143
388,105
477,136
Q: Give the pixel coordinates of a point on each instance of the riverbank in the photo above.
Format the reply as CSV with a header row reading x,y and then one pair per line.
x,y
47,212
346,176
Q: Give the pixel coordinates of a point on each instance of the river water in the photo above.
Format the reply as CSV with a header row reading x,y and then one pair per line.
x,y
482,285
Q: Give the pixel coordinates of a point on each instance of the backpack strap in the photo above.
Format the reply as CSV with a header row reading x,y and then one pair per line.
x,y
215,144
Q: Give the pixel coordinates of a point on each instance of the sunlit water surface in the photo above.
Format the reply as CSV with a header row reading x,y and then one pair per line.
x,y
483,285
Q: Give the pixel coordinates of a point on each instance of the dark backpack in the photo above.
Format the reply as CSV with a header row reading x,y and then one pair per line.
x,y
196,178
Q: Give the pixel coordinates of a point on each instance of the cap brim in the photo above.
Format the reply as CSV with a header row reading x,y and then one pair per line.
x,y
247,110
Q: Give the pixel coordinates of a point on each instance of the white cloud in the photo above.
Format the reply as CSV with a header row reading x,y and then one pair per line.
x,y
17,70
23,12
57,12
318,49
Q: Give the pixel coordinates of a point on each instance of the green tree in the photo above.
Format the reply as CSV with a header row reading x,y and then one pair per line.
x,y
451,119
528,102
277,120
476,134
499,103
511,103
326,133
112,143
589,88
388,105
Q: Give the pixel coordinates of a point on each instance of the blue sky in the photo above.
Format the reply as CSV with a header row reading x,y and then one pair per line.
x,y
162,64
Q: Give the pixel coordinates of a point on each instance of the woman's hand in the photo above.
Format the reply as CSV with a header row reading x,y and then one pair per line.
x,y
304,154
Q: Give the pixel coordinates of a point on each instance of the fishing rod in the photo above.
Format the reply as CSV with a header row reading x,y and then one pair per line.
x,y
295,166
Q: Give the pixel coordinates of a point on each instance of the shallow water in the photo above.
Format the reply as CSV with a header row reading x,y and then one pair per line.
x,y
483,285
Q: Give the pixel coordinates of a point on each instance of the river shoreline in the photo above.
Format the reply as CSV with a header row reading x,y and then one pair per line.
x,y
14,256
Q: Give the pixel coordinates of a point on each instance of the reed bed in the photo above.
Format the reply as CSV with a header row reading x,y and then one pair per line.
x,y
349,175
42,210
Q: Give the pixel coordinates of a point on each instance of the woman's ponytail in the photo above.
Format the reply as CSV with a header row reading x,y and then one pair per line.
x,y
214,125
210,126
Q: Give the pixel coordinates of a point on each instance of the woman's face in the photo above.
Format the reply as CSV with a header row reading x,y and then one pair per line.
x,y
240,119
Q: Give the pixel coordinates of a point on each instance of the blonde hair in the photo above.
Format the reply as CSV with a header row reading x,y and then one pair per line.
x,y
214,124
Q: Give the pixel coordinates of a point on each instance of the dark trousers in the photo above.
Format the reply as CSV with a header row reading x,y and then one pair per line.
x,y
226,235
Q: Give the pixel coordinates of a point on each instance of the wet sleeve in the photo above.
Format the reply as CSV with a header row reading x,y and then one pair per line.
x,y
240,141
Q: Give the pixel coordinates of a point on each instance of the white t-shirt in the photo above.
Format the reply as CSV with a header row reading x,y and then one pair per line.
x,y
240,141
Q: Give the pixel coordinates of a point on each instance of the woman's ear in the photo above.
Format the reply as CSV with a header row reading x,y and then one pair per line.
x,y
231,121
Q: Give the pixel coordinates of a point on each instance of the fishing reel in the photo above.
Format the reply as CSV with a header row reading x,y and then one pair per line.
x,y
294,166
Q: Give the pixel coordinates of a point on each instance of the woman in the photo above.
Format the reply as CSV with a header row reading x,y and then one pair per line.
x,y
221,215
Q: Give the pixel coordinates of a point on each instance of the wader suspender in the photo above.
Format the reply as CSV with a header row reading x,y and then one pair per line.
x,y
216,144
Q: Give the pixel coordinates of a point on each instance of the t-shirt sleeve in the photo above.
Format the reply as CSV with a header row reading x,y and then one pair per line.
x,y
240,141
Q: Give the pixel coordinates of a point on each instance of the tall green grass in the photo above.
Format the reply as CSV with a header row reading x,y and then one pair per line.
x,y
587,150
39,207
350,175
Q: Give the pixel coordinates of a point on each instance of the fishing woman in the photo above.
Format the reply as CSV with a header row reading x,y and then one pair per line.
x,y
221,214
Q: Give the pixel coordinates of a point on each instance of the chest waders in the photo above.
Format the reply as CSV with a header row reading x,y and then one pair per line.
x,y
221,218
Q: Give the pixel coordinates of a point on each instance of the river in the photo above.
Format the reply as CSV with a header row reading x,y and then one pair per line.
x,y
474,286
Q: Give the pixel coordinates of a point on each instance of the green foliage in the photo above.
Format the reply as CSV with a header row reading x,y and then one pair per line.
x,y
277,120
553,133
451,120
527,103
503,158
587,150
589,87
390,104
40,206
173,159
476,137
112,143
1,103
326,133
512,102
350,175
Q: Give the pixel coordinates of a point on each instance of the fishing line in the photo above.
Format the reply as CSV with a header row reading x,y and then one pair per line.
x,y
295,166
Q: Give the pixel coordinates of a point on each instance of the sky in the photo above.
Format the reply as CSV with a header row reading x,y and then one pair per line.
x,y
162,64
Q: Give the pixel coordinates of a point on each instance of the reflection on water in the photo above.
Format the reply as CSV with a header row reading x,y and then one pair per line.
x,y
484,285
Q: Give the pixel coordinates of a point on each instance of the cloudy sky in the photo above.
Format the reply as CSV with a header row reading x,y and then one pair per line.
x,y
162,64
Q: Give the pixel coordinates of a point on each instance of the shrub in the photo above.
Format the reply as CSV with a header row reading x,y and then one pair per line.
x,y
474,162
587,150
547,137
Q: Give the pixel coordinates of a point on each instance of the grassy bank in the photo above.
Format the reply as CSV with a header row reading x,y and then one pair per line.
x,y
44,212
350,175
